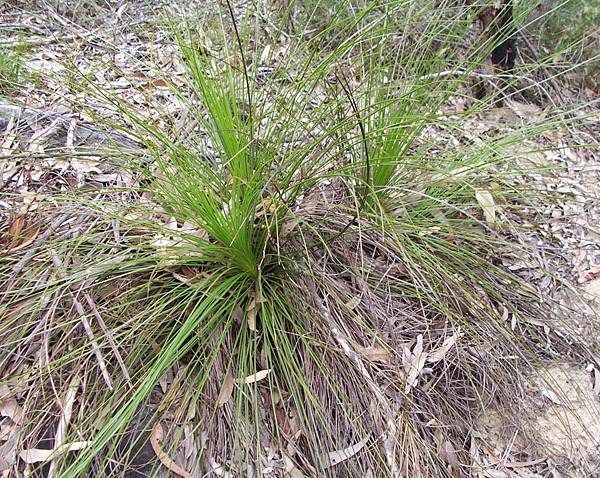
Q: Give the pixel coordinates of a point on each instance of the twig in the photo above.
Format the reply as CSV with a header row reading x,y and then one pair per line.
x,y
390,433
16,271
109,337
86,325
94,344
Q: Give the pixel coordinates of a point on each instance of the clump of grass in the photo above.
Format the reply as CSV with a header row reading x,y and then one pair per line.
x,y
293,277
11,67
567,38
571,29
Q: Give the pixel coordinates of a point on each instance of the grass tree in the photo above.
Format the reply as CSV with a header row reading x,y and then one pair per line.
x,y
298,274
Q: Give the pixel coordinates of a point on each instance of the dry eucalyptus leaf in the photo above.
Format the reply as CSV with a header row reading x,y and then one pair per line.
x,y
5,464
553,397
486,201
166,460
256,377
287,227
335,457
251,315
377,354
440,353
448,454
36,455
11,409
413,363
226,389
589,274
353,303
291,469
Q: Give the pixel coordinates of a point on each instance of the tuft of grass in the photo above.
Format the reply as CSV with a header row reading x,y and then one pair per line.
x,y
298,272
571,28
11,68
567,37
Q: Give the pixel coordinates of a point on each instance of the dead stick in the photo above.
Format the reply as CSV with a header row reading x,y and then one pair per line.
x,y
353,356
109,337
86,325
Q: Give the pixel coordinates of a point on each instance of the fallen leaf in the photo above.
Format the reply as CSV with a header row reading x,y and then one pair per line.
x,y
5,465
158,83
155,438
67,412
413,363
440,216
266,54
192,282
291,469
179,277
174,386
28,237
193,229
448,454
226,389
11,409
218,469
188,272
36,455
251,315
140,75
521,464
589,274
254,377
494,460
553,397
17,225
287,227
335,457
440,353
486,201
17,237
353,303
238,315
377,354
